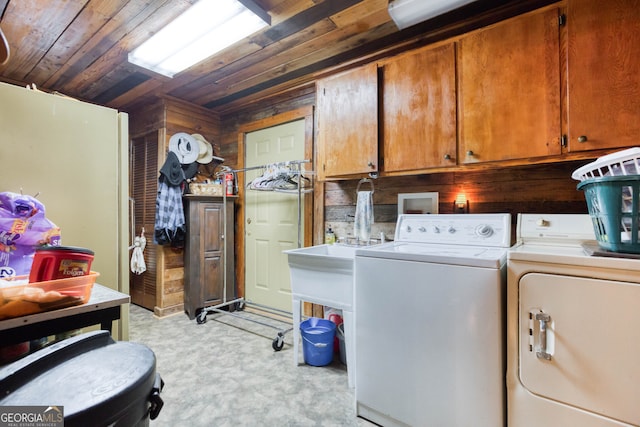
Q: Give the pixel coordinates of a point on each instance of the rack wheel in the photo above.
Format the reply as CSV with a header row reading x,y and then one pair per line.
x,y
278,342
201,317
240,305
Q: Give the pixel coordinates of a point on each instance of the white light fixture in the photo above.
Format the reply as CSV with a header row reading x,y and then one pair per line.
x,y
207,27
461,204
406,13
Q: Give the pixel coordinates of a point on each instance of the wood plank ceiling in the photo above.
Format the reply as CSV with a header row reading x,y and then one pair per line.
x,y
79,48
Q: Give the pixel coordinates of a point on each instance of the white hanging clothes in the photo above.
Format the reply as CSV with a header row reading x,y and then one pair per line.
x,y
138,266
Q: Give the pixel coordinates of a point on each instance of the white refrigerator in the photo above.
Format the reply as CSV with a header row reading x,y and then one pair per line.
x,y
74,155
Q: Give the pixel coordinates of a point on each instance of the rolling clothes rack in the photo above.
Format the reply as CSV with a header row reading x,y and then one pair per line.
x,y
295,167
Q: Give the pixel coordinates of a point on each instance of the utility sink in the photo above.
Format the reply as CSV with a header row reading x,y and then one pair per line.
x,y
323,272
336,250
323,275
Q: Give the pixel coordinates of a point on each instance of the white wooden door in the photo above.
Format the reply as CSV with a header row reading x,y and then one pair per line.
x,y
271,218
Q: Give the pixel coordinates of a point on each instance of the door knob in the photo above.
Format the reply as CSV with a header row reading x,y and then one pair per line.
x,y
248,220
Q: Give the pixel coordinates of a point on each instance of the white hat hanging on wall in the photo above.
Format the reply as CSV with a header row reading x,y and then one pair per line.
x,y
206,150
185,147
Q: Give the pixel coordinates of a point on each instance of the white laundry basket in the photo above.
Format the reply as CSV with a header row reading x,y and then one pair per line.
x,y
625,162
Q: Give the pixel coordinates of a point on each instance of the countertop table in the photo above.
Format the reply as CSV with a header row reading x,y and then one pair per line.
x,y
102,309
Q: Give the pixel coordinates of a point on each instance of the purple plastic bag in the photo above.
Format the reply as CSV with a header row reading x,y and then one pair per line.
x,y
23,227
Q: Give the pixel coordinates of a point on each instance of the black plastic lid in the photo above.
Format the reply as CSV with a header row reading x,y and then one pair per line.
x,y
65,249
98,381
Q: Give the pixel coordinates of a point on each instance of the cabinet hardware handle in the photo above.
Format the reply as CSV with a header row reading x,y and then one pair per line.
x,y
582,138
447,157
370,164
544,319
562,20
469,153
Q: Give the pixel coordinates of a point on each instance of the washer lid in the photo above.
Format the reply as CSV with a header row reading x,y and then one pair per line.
x,y
472,256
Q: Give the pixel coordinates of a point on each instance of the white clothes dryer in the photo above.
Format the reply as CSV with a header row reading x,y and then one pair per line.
x,y
573,327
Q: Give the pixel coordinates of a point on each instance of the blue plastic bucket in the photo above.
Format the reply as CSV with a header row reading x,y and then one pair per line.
x,y
317,341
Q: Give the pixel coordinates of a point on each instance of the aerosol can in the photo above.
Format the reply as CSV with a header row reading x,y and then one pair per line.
x,y
229,184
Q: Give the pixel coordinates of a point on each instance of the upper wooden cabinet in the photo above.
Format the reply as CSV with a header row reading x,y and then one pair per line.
x,y
418,117
509,90
559,83
603,74
347,123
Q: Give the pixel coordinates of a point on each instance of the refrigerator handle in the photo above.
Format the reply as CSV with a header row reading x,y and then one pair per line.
x,y
132,221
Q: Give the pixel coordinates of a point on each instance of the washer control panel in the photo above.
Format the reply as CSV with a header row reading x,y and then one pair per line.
x,y
455,229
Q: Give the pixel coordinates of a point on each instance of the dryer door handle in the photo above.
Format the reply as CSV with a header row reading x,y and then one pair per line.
x,y
544,320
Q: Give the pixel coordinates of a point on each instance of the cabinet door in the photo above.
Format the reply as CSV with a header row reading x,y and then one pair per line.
x,y
347,123
603,74
212,252
204,254
509,83
419,110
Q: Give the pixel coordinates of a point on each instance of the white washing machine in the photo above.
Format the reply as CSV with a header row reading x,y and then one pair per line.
x,y
430,332
573,327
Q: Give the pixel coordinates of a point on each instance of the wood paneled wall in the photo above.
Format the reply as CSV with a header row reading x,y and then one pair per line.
x,y
527,189
164,118
289,101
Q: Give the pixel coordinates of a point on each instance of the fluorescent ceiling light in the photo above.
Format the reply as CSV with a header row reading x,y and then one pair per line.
x,y
204,29
406,13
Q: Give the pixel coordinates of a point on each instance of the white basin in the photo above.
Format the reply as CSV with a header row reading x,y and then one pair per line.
x,y
323,274
337,250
